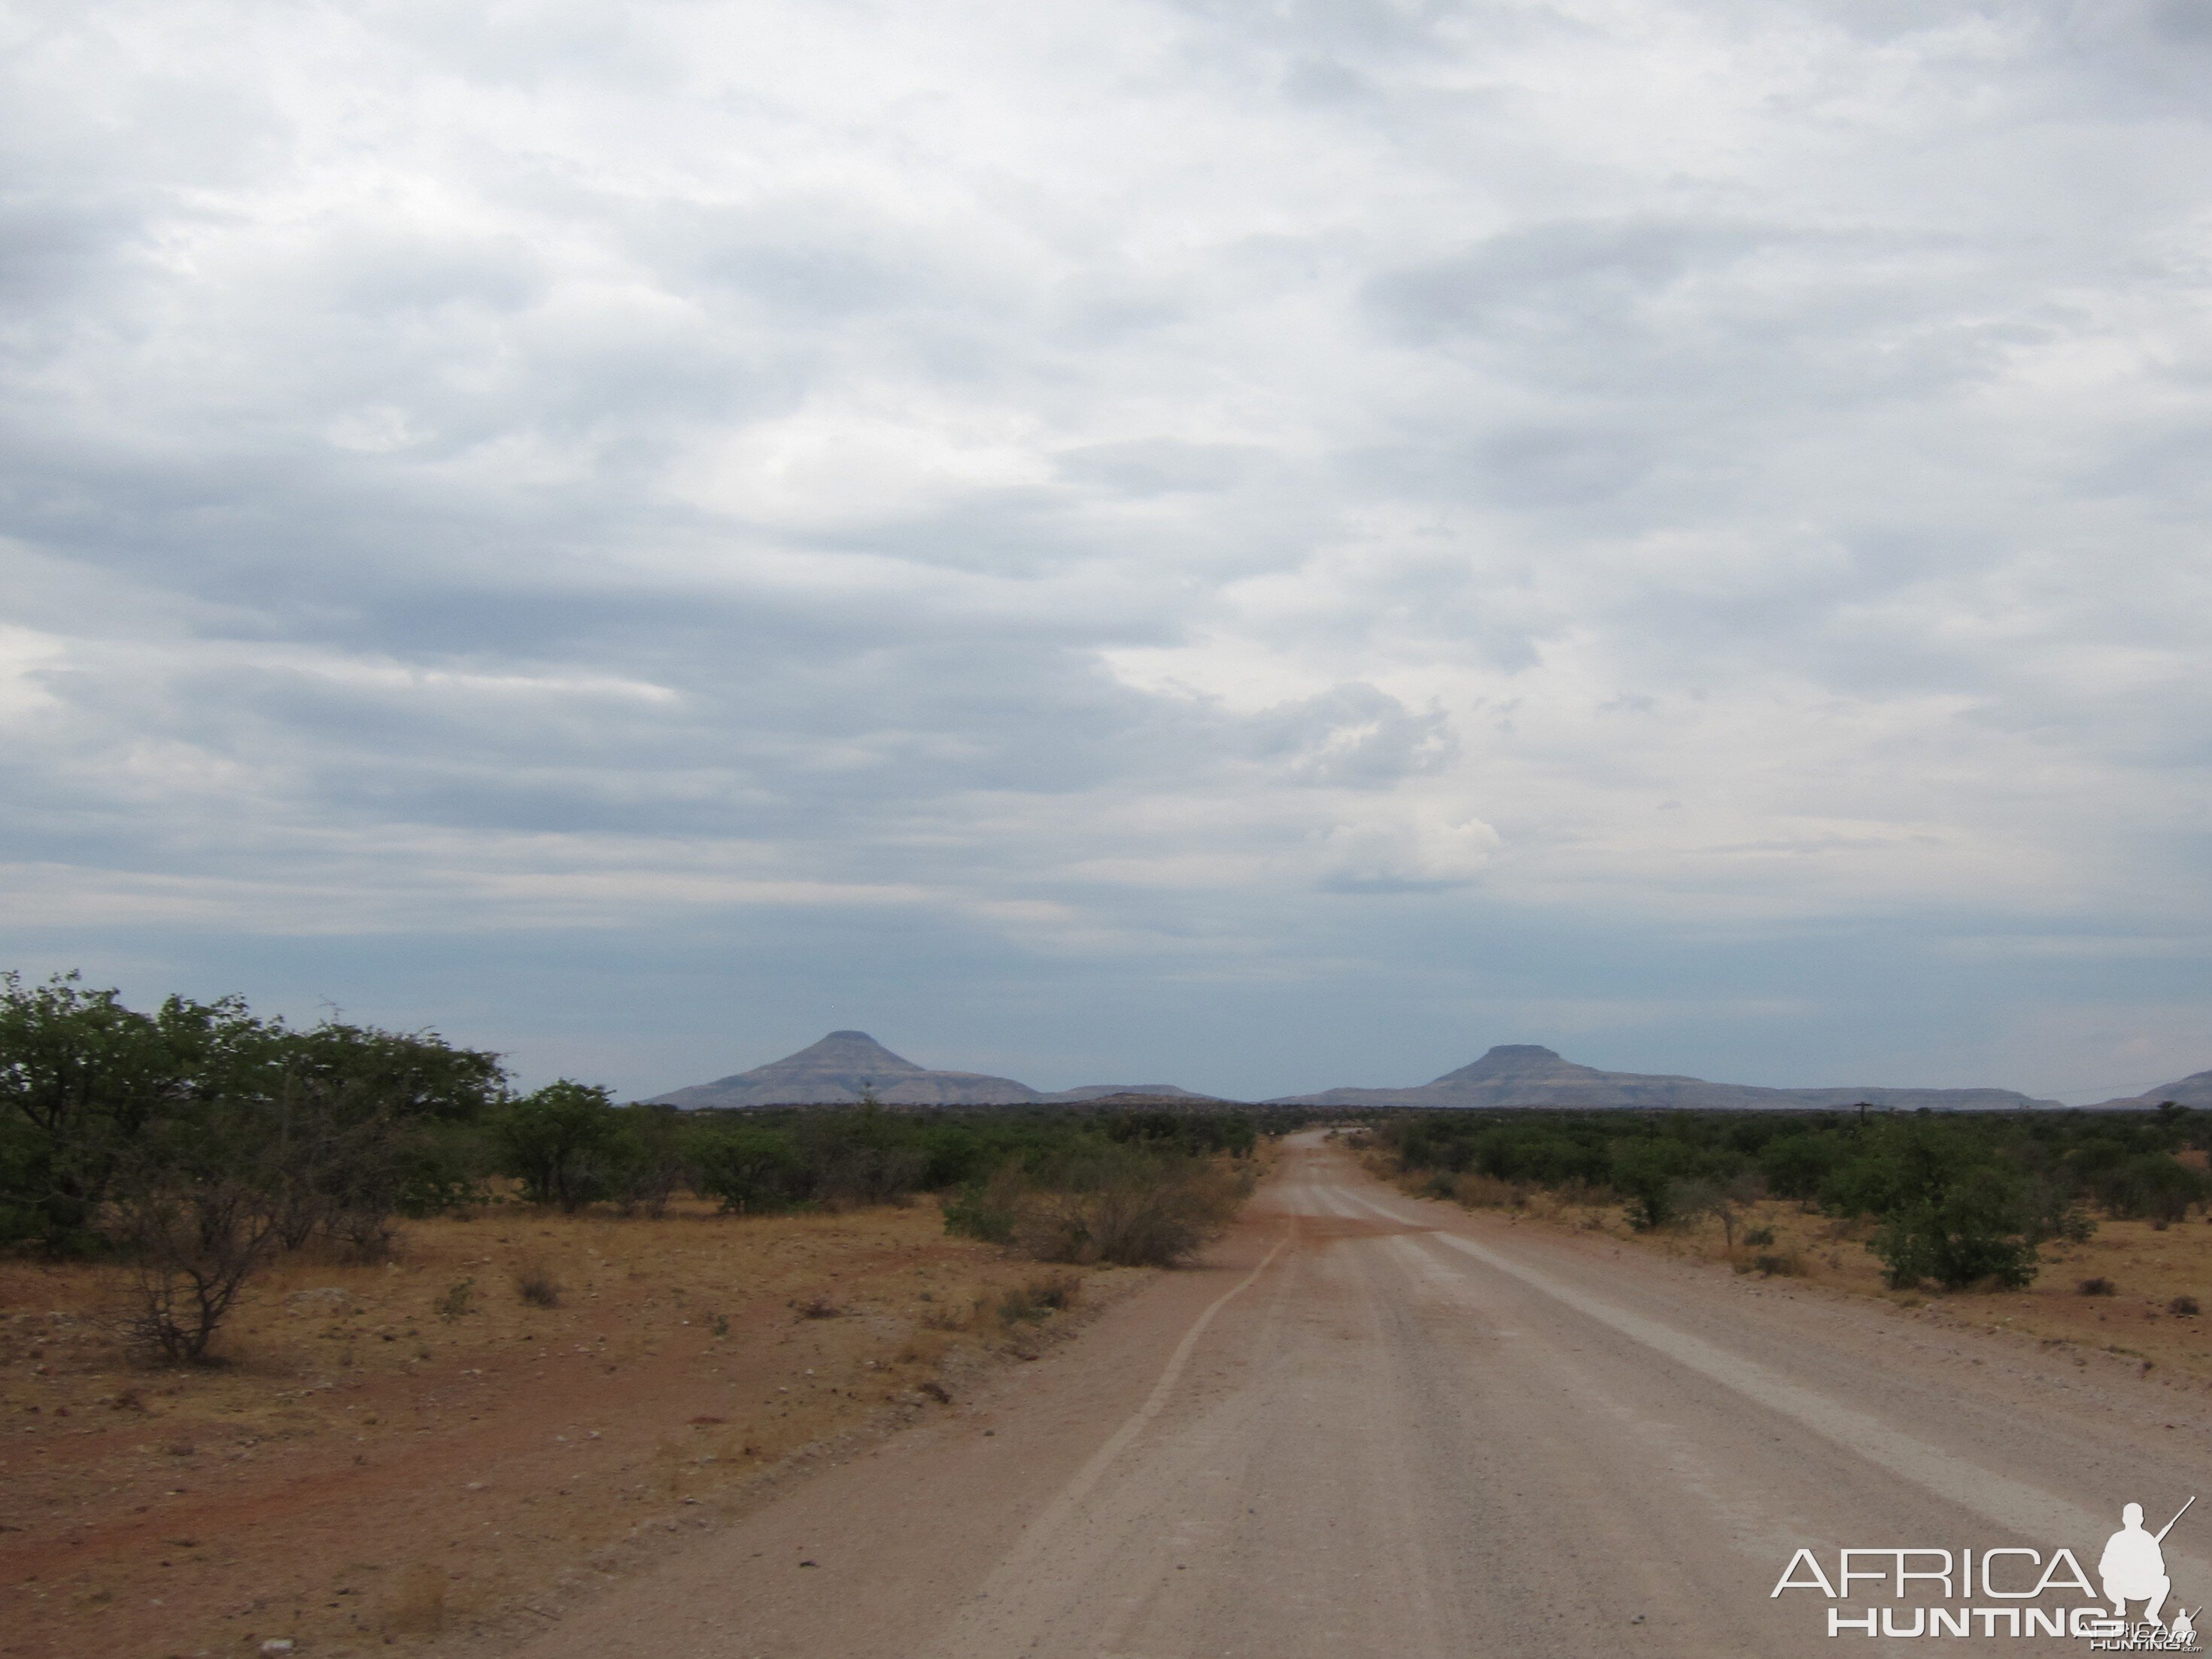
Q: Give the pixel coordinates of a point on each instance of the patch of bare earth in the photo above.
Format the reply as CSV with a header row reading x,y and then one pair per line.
x,y
398,1453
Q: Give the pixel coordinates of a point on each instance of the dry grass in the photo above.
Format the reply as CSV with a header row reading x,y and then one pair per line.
x,y
535,1285
1134,1211
392,1452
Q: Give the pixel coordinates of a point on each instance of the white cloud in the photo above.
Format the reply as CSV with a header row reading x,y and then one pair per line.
x,y
1139,483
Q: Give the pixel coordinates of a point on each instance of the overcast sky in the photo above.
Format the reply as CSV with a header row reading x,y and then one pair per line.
x,y
1255,545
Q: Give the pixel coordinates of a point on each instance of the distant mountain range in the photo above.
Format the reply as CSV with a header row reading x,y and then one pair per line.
x,y
845,1065
1523,1074
2195,1090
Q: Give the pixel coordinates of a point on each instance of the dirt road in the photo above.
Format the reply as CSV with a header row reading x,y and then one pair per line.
x,y
1376,1426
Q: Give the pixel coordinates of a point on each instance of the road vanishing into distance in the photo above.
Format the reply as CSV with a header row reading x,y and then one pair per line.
x,y
1370,1425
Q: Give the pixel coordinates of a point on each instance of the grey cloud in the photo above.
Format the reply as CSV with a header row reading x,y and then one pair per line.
x,y
53,247
1158,466
1554,278
821,257
565,41
381,274
1056,484
1380,32
1535,467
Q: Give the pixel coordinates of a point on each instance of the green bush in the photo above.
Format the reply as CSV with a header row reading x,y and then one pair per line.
x,y
862,1156
2153,1185
1957,1198
1795,1165
1648,1173
559,1142
986,1209
1974,1230
752,1170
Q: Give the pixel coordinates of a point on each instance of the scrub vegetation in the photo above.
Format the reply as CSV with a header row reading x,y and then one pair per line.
x,y
194,1147
335,1335
1954,1201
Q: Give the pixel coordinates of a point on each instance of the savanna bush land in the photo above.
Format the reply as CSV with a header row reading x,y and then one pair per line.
x,y
194,1145
333,1332
2072,1227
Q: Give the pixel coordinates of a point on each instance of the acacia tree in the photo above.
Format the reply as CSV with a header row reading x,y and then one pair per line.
x,y
199,1139
558,1142
752,1168
80,1075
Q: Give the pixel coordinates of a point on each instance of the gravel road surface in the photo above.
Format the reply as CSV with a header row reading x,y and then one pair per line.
x,y
1371,1425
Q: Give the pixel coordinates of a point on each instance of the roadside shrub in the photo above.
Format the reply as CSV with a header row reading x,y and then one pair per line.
x,y
1128,1206
1757,1236
1156,1216
987,1209
2100,1286
192,1247
1951,1198
458,1298
1645,1173
1586,1194
1969,1232
1059,1291
1030,1303
1483,1192
1015,1306
2183,1307
537,1286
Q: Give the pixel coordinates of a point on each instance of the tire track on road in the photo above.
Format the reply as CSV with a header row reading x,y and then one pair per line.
x,y
2016,1506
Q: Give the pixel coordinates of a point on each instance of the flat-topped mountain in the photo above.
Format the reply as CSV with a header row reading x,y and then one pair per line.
x,y
845,1065
839,1069
1524,1074
1144,1091
2195,1090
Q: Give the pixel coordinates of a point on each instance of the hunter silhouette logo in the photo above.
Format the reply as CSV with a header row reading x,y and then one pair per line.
x,y
2007,1591
2133,1565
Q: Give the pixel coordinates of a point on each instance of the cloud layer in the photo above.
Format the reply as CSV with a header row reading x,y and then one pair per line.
x,y
1276,544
